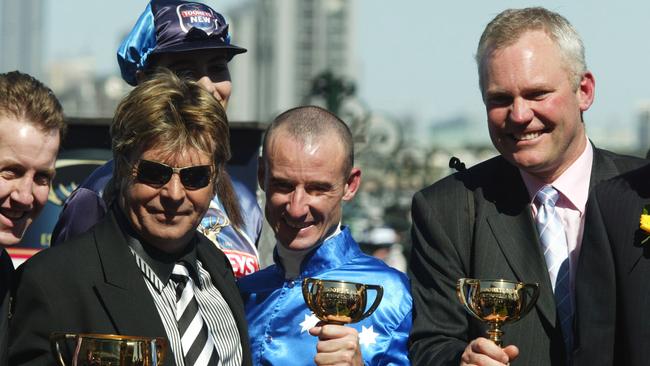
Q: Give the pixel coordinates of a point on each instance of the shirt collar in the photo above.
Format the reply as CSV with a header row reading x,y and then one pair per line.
x,y
291,260
161,263
332,253
573,184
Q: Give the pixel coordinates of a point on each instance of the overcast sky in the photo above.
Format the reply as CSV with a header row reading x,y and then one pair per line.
x,y
416,56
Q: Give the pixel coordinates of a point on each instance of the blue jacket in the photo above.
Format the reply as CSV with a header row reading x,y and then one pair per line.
x,y
279,320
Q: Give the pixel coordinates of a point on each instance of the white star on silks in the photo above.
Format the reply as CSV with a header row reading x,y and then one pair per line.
x,y
309,322
367,336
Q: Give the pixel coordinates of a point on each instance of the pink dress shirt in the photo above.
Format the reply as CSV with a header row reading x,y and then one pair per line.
x,y
573,186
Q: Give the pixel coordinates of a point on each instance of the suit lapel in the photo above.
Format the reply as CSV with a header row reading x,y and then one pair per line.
x,y
627,207
514,230
626,236
124,292
602,168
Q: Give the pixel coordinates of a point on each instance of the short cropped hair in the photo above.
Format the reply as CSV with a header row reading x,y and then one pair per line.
x,y
173,114
507,27
311,123
25,98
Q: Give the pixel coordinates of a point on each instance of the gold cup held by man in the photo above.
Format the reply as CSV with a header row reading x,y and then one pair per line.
x,y
107,350
496,302
340,302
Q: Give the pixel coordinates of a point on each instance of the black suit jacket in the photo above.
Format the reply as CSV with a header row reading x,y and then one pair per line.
x,y
613,278
6,272
93,285
478,223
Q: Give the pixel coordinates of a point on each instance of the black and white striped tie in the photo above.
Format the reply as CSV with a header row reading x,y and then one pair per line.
x,y
197,345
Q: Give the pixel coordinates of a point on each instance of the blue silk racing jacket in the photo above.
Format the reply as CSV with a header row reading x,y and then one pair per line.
x,y
279,320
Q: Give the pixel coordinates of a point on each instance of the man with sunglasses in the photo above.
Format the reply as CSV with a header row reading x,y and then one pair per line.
x,y
192,40
144,270
307,172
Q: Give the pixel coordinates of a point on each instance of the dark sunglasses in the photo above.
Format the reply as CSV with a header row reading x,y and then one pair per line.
x,y
154,173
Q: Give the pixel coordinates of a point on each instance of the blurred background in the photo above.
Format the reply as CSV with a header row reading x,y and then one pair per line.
x,y
401,74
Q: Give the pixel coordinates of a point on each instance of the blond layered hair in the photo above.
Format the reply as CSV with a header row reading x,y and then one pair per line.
x,y
172,114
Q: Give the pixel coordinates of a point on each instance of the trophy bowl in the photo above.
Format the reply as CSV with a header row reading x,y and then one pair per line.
x,y
496,302
339,302
107,350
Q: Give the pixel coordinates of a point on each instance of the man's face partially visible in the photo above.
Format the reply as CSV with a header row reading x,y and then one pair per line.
x,y
305,186
208,67
27,157
533,108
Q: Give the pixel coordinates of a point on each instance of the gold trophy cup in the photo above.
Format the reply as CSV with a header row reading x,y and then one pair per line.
x,y
106,350
496,302
339,302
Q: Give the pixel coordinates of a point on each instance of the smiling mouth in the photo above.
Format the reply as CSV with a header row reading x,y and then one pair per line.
x,y
526,136
170,212
297,225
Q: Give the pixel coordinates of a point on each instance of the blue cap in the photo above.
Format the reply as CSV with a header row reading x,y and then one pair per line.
x,y
168,26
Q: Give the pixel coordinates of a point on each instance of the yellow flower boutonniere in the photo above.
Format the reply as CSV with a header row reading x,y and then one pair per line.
x,y
645,224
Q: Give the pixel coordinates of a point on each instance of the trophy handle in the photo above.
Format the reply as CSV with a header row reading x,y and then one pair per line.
x,y
56,347
375,304
305,290
460,291
534,287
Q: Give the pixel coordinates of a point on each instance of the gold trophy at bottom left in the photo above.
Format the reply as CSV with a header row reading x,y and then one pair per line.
x,y
107,350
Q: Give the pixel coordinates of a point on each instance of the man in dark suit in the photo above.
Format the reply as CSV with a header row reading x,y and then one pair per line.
x,y
612,284
144,270
483,222
31,128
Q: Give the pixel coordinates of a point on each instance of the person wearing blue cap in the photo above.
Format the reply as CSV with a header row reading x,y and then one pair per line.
x,y
192,40
186,37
